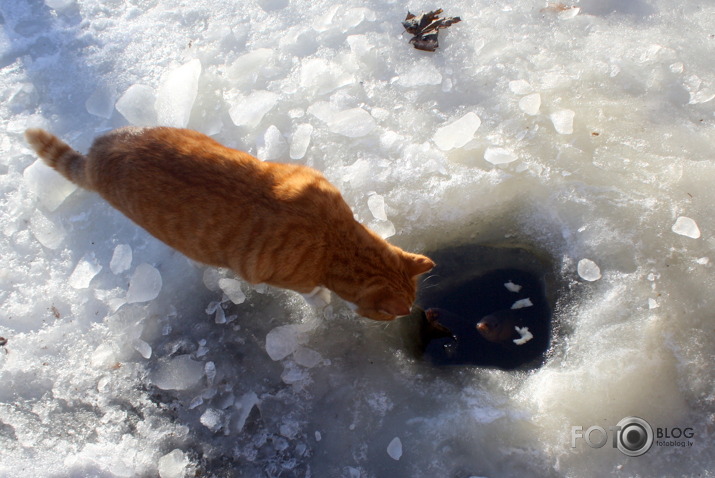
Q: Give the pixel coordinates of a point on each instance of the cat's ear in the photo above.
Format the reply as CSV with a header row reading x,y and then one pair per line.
x,y
418,264
394,306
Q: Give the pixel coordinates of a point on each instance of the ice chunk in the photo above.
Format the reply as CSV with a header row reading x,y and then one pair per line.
x,y
318,436
232,289
173,465
176,95
59,4
520,87
47,232
137,105
323,76
177,373
376,203
210,371
142,347
101,102
457,133
274,145
588,270
563,121
511,287
247,67
50,187
394,449
245,404
306,357
213,419
522,303
422,73
84,272
384,229
144,285
497,155
284,340
530,104
121,259
525,335
353,123
251,110
685,226
300,141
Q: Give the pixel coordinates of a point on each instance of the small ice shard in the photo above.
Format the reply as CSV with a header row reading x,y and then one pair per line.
x,y
232,289
588,270
137,105
525,335
250,111
522,303
84,272
653,304
173,465
384,229
300,141
245,404
144,285
353,123
497,155
142,347
530,104
457,133
323,76
177,94
274,145
376,204
394,449
284,340
318,436
177,373
121,259
563,121
249,66
210,371
213,419
47,232
306,357
520,87
50,188
101,102
686,227
511,287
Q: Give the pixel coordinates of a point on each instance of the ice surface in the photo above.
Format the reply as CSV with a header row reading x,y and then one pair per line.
x,y
232,289
144,285
563,121
457,133
50,187
249,111
85,270
176,95
121,259
588,270
394,449
687,227
177,373
496,155
173,465
300,140
137,105
530,104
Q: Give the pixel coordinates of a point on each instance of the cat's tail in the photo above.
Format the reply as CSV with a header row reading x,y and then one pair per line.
x,y
59,155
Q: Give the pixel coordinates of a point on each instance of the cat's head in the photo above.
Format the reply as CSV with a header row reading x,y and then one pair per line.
x,y
390,294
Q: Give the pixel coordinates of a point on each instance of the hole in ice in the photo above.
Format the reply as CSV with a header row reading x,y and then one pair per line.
x,y
485,305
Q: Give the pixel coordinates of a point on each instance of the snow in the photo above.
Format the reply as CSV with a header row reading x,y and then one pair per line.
x,y
579,133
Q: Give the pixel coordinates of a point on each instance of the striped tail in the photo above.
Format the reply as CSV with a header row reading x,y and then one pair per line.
x,y
59,155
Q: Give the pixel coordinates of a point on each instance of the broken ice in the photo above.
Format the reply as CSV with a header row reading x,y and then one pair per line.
x,y
353,123
232,289
101,102
497,156
137,105
173,464
300,141
522,303
144,285
177,373
511,287
284,340
121,259
274,145
457,133
50,187
250,111
687,227
376,204
84,272
530,104
525,335
47,232
394,449
588,270
175,97
563,121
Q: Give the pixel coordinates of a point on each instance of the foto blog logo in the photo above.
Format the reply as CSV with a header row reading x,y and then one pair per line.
x,y
633,436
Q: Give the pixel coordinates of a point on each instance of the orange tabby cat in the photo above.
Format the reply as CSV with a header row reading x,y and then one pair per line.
x,y
279,224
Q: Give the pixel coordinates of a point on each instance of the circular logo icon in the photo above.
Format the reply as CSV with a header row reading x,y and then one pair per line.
x,y
635,436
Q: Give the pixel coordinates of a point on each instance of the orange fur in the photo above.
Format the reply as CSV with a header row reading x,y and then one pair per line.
x,y
273,223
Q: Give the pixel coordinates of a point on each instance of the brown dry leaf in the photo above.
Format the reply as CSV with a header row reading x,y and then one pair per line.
x,y
425,27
